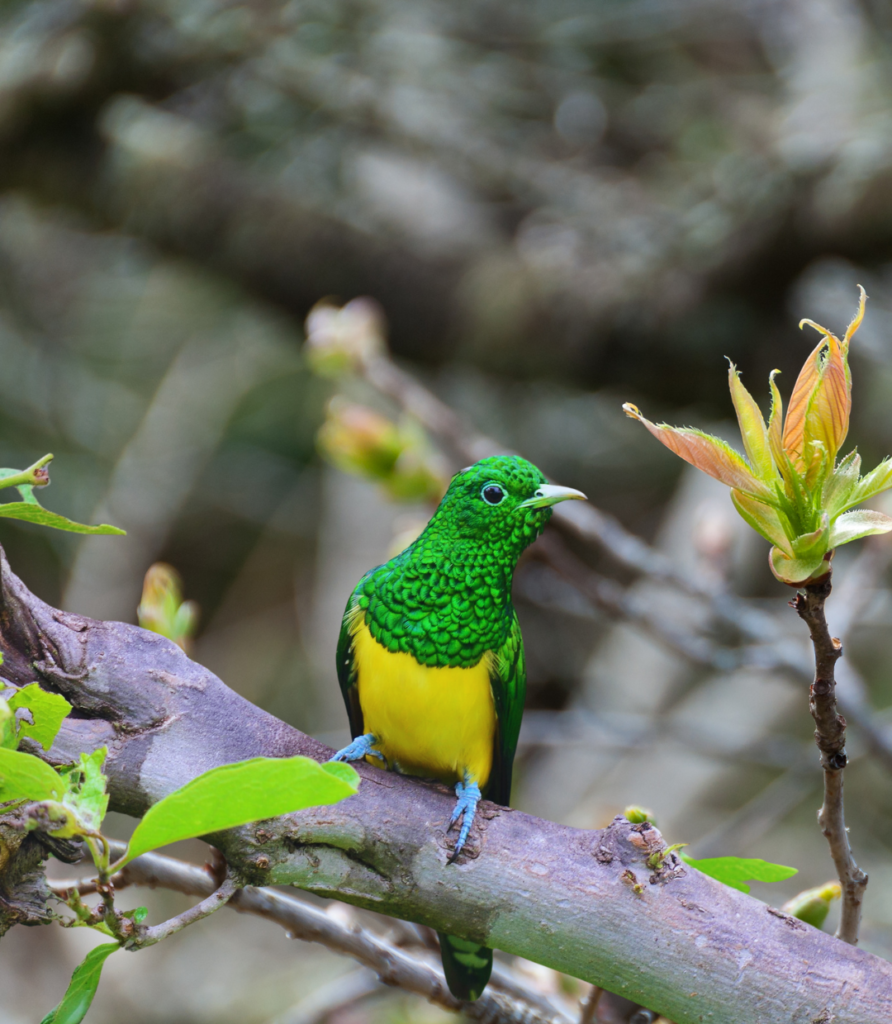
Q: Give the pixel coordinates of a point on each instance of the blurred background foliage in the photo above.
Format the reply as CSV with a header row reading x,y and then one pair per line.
x,y
557,207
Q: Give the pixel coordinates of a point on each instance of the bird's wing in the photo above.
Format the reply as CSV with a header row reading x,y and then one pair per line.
x,y
347,668
509,680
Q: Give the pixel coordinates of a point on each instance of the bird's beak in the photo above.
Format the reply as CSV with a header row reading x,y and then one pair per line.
x,y
551,494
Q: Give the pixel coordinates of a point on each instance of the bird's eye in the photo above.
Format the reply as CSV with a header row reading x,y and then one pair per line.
x,y
492,494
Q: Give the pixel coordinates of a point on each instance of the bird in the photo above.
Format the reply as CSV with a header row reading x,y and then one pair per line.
x,y
430,656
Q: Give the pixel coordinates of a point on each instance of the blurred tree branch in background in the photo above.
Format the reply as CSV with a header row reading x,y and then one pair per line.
x,y
598,176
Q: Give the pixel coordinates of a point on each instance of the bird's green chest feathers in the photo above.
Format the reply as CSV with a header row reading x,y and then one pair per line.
x,y
445,610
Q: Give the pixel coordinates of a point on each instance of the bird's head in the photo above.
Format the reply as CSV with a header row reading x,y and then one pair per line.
x,y
503,501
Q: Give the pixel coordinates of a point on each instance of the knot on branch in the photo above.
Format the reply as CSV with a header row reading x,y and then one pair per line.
x,y
24,891
830,727
627,845
835,762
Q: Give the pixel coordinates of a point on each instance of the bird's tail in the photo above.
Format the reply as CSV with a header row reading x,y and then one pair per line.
x,y
467,966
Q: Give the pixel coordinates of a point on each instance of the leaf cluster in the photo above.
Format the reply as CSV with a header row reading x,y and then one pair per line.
x,y
791,488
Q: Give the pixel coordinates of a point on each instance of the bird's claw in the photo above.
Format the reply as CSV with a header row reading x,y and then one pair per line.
x,y
468,794
358,749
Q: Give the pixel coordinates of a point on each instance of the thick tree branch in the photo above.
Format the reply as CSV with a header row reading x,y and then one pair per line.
x,y
584,903
830,735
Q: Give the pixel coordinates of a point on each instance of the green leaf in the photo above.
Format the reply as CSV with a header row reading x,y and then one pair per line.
x,y
813,905
753,430
877,480
8,735
763,519
796,571
34,513
854,525
339,770
48,711
162,608
82,987
841,484
26,777
86,797
234,794
637,815
737,871
807,545
27,493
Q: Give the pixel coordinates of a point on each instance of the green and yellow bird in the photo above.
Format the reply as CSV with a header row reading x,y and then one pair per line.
x,y
430,657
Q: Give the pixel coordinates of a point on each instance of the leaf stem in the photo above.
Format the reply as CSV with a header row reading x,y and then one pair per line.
x,y
34,476
100,859
830,736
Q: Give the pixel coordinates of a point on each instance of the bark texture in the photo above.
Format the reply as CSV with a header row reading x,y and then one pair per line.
x,y
589,903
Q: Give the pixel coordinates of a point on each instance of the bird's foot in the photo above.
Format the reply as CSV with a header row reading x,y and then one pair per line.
x,y
358,749
468,793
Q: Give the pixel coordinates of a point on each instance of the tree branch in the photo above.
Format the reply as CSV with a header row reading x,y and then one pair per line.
x,y
830,736
675,940
303,921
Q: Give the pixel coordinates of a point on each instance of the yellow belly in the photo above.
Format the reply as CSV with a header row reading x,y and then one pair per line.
x,y
437,722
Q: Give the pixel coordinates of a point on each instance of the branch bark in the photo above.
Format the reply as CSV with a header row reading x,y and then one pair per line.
x,y
830,736
584,903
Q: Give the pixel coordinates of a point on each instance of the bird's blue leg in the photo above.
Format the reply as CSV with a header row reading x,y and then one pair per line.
x,y
468,793
358,749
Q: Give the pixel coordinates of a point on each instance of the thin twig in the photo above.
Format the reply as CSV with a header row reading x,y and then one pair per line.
x,y
589,1006
140,937
614,600
830,735
85,886
218,898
